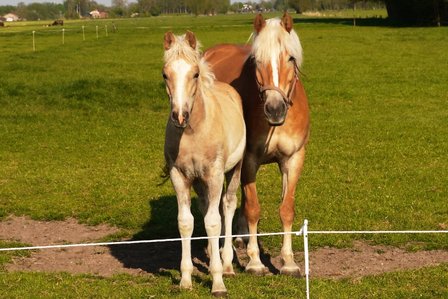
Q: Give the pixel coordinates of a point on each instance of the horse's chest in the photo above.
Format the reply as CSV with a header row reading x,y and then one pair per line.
x,y
278,145
198,162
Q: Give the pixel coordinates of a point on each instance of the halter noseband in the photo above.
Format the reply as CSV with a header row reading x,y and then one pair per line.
x,y
286,97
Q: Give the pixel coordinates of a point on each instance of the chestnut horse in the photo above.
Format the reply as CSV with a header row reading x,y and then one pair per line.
x,y
204,145
276,113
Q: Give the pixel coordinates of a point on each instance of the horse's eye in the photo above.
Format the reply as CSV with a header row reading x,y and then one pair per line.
x,y
165,77
292,59
196,75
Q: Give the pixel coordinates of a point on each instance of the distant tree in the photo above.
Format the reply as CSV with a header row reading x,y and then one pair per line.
x,y
71,9
4,9
149,7
119,8
21,10
267,4
418,12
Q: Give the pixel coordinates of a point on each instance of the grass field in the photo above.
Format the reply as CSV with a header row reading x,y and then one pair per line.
x,y
82,126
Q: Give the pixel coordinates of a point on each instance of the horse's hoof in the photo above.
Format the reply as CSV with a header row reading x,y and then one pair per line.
x,y
219,294
258,271
294,272
228,274
186,285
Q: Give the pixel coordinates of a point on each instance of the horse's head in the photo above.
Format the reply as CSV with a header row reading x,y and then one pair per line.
x,y
183,72
278,55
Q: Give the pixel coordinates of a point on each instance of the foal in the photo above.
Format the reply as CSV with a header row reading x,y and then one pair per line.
x,y
204,146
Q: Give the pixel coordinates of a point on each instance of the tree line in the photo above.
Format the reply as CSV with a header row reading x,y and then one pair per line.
x,y
432,12
72,9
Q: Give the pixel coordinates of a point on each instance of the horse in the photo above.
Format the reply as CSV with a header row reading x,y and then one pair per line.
x,y
205,140
276,112
57,23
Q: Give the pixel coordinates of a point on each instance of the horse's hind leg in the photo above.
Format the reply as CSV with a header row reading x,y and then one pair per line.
x,y
291,170
200,190
229,202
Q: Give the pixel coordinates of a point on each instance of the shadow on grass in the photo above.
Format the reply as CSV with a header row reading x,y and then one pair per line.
x,y
362,22
161,258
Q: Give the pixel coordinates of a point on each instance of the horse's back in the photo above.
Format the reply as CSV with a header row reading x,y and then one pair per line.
x,y
227,61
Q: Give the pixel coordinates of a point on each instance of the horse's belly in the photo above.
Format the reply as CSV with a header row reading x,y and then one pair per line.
x,y
236,155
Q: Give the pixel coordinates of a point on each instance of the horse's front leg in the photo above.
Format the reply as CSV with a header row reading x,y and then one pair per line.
x,y
251,208
229,206
212,222
185,223
291,169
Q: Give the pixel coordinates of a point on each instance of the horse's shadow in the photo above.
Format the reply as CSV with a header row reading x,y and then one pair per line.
x,y
161,257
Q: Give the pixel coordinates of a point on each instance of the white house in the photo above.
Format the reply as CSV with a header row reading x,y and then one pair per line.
x,y
95,14
10,17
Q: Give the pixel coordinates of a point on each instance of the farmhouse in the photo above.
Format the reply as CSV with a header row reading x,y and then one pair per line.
x,y
95,14
10,17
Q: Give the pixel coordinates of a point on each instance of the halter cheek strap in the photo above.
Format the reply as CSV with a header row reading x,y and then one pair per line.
x,y
286,97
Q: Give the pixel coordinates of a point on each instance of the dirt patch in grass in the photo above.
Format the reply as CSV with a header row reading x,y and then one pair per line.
x,y
361,260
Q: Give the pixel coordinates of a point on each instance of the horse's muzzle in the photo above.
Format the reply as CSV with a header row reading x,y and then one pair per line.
x,y
275,112
180,120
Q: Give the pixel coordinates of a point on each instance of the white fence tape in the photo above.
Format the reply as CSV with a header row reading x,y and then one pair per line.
x,y
303,231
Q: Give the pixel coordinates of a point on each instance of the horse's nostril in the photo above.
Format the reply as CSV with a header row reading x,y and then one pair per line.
x,y
186,115
174,115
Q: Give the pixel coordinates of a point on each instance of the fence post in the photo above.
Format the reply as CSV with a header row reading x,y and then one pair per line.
x,y
307,263
34,43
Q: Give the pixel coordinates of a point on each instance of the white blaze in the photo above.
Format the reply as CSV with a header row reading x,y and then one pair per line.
x,y
181,67
274,71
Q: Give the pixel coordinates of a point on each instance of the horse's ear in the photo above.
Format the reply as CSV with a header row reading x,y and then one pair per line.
x,y
168,40
191,39
287,22
259,23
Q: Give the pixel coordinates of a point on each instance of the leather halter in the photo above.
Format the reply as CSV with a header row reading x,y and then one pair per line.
x,y
286,96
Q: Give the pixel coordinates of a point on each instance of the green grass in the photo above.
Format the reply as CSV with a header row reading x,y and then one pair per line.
x,y
82,126
411,284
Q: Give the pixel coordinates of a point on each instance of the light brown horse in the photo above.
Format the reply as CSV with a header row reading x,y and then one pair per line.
x,y
204,145
276,113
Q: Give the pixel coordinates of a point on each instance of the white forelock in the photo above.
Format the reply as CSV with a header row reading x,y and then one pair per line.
x,y
273,39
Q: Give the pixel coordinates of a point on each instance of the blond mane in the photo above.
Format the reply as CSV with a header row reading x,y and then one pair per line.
x,y
273,39
181,49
